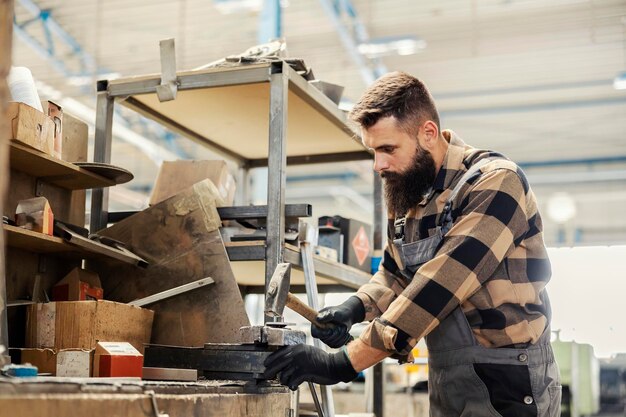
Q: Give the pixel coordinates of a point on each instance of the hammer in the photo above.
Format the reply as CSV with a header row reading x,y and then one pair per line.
x,y
278,296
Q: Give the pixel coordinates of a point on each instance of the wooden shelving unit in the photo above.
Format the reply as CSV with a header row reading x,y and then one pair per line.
x,y
54,170
19,238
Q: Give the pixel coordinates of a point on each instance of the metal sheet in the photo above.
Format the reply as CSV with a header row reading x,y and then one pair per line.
x,y
216,361
180,239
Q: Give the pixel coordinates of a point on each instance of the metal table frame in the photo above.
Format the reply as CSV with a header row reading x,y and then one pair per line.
x,y
282,79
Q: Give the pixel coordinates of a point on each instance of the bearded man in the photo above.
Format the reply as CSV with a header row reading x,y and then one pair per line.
x,y
465,267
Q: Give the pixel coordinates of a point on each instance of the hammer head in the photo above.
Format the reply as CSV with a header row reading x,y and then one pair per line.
x,y
277,290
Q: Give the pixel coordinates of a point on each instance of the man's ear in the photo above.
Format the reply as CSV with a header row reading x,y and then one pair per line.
x,y
431,133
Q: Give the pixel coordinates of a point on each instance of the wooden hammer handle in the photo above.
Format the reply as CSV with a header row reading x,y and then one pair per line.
x,y
304,310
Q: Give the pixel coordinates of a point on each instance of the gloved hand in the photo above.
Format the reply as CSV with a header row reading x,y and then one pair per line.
x,y
342,317
298,363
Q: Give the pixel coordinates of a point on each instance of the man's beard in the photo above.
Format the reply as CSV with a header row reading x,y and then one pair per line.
x,y
405,189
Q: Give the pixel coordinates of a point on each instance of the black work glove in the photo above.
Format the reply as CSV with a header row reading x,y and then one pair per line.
x,y
341,317
298,363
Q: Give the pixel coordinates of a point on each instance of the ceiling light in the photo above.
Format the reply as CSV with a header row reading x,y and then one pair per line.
x,y
237,6
619,83
392,45
561,207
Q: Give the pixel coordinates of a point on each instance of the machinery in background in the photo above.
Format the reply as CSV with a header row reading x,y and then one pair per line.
x,y
580,377
613,384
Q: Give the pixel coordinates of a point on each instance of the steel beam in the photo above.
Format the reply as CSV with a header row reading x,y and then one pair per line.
x,y
101,153
277,161
378,372
349,42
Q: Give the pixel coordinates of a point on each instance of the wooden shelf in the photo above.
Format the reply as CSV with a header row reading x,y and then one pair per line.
x,y
227,109
54,170
19,238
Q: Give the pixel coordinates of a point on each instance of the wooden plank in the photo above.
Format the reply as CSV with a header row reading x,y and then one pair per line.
x,y
54,170
6,40
212,113
20,238
140,405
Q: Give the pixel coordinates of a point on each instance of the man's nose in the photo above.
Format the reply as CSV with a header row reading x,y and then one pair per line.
x,y
380,163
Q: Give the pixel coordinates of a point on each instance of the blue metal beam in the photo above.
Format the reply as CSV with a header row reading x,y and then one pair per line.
x,y
87,63
370,69
270,21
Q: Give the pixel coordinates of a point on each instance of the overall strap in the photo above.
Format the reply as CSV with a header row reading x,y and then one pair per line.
x,y
446,219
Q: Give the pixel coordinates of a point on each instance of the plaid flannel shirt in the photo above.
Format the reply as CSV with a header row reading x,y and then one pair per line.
x,y
492,263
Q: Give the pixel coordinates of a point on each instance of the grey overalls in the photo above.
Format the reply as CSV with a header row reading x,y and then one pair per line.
x,y
467,379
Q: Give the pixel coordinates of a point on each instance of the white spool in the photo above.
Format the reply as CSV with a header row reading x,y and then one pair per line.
x,y
22,86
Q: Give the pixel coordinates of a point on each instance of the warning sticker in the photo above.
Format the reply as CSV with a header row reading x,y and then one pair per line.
x,y
361,245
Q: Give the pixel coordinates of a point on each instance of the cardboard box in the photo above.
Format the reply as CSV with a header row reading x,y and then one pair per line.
x,y
116,359
78,285
80,324
175,176
31,127
357,240
35,214
64,362
75,362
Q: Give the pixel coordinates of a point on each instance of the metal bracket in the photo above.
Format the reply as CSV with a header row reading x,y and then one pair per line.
x,y
169,83
39,186
155,406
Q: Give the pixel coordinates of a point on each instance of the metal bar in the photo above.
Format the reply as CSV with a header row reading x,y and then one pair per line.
x,y
276,171
379,389
172,292
192,80
222,361
300,289
306,251
316,400
246,253
235,212
350,43
270,21
101,153
317,158
259,212
378,386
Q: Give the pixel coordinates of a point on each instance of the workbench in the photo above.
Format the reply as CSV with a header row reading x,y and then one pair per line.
x,y
131,397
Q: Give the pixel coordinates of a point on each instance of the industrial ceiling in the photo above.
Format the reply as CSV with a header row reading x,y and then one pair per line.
x,y
532,79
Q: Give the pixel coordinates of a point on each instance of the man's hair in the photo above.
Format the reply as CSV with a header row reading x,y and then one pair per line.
x,y
396,94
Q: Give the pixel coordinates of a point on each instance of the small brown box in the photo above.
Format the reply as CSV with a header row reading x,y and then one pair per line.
x,y
80,324
35,214
79,285
64,362
31,127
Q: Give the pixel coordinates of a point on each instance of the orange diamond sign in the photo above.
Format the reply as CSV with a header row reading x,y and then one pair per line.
x,y
361,245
